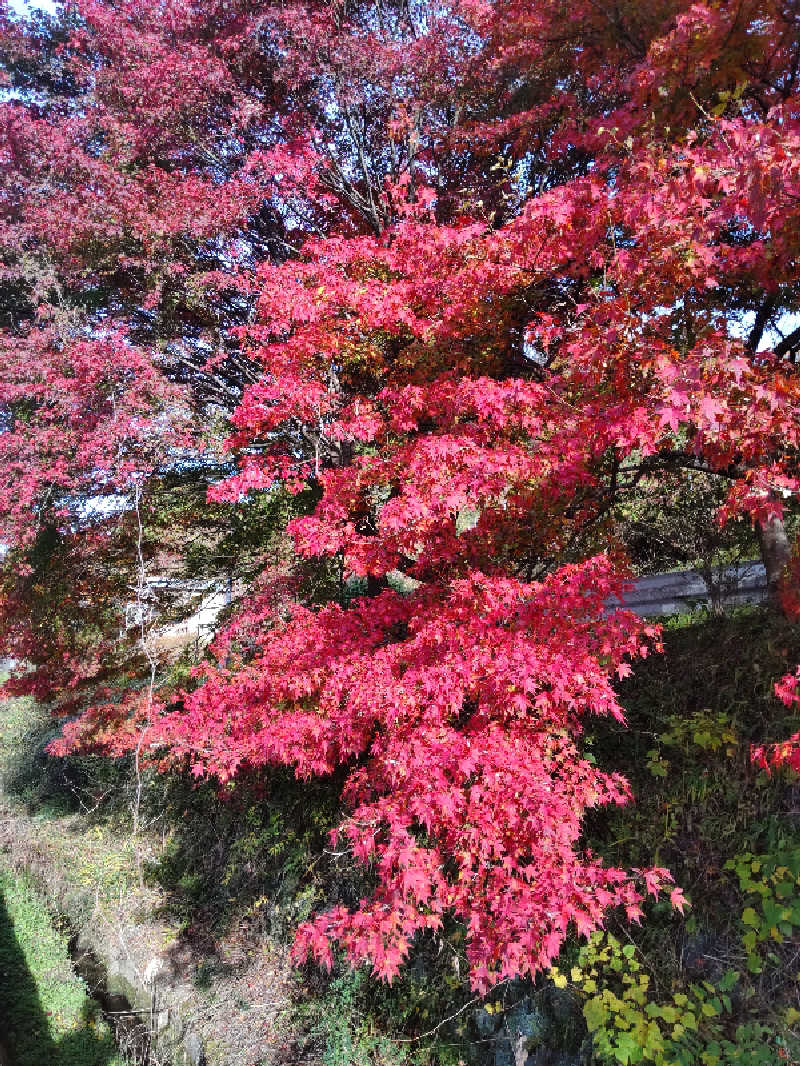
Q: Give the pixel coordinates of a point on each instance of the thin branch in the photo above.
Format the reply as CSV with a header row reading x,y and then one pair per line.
x,y
788,344
444,1021
141,599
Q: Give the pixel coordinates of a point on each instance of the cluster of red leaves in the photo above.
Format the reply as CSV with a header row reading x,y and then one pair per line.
x,y
513,239
420,309
461,708
82,425
787,752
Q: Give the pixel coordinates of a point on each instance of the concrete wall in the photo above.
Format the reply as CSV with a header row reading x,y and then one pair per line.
x,y
681,590
650,596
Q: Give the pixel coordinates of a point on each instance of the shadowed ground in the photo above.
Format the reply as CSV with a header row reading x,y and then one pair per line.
x,y
64,1030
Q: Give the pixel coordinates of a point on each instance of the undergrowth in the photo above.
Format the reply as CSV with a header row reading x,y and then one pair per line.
x,y
719,985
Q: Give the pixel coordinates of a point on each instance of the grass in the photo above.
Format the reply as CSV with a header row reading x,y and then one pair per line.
x,y
81,806
50,1020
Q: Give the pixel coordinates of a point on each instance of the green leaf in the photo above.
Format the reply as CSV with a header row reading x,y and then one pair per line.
x,y
595,1013
627,1049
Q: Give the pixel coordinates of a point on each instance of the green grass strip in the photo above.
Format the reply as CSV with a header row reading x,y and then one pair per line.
x,y
46,1015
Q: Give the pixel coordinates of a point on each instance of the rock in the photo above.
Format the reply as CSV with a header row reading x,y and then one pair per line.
x,y
485,1023
523,1026
193,1046
545,1056
561,1005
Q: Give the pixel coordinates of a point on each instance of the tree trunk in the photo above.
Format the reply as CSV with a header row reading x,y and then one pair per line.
x,y
376,584
775,552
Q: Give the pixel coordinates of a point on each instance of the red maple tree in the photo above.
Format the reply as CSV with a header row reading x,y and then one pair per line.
x,y
473,274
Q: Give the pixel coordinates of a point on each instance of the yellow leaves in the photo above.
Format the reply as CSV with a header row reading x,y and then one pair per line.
x,y
727,97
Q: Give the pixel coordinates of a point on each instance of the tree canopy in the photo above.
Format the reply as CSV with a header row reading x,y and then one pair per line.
x,y
457,295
